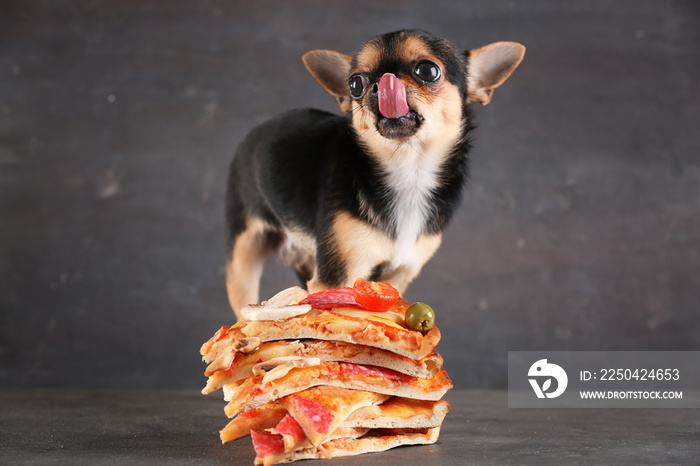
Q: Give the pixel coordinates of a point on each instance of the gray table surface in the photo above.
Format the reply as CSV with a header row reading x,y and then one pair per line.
x,y
46,426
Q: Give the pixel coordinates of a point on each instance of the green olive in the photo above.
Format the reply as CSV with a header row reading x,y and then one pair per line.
x,y
420,317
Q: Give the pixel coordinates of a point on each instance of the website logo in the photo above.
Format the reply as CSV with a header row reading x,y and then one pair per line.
x,y
541,374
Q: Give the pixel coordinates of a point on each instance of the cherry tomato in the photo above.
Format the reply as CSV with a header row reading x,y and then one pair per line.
x,y
375,296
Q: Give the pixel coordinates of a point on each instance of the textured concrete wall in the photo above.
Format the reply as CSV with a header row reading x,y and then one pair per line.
x,y
579,228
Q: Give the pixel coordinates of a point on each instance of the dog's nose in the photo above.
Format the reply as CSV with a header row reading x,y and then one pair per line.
x,y
392,97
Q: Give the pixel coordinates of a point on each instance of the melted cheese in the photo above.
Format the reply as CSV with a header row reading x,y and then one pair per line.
x,y
277,368
389,318
403,408
277,349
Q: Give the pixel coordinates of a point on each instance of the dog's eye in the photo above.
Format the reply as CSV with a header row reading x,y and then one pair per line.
x,y
357,86
427,71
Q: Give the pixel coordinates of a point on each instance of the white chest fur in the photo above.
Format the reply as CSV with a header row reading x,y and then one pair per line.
x,y
412,177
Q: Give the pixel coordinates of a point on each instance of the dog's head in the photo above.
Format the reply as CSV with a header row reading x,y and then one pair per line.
x,y
409,83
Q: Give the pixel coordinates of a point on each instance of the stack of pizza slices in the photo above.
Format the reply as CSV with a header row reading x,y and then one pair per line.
x,y
334,373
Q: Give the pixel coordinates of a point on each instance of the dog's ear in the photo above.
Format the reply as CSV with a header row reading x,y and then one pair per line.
x,y
489,67
331,69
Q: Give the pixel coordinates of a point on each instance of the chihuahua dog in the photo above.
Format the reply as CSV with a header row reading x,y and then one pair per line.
x,y
368,193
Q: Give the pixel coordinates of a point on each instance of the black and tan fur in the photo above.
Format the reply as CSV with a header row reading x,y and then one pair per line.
x,y
360,195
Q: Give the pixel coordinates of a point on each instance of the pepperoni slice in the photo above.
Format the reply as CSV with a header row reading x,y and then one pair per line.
x,y
315,413
289,426
329,299
374,371
266,443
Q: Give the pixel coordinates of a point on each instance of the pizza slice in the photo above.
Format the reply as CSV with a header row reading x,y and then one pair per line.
x,y
270,448
231,365
320,410
294,438
345,325
399,413
254,392
394,413
288,441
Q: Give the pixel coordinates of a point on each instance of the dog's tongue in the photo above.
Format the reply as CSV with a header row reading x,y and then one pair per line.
x,y
392,97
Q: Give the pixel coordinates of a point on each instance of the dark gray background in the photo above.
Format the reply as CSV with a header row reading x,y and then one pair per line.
x,y
579,229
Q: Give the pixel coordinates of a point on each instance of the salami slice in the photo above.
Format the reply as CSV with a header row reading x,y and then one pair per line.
x,y
289,426
374,371
266,443
315,413
329,299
